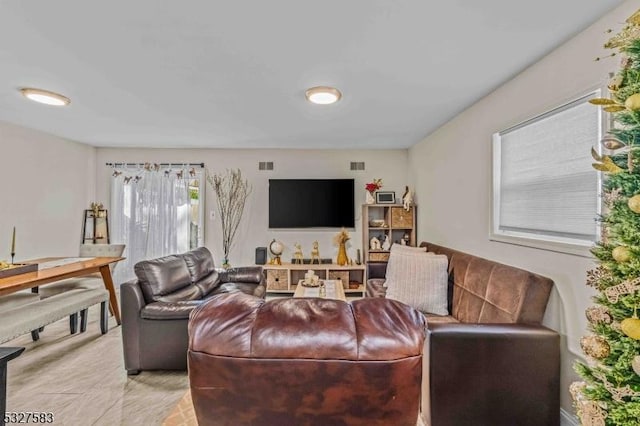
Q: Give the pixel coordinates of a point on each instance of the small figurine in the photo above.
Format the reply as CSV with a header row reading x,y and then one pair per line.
x,y
297,255
315,253
374,244
387,243
407,199
310,278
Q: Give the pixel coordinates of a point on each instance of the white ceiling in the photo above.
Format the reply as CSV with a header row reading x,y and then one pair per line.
x,y
232,74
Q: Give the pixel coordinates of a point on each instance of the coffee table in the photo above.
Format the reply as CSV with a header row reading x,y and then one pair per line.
x,y
335,290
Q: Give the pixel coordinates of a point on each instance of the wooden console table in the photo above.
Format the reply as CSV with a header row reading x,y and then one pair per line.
x,y
284,278
79,268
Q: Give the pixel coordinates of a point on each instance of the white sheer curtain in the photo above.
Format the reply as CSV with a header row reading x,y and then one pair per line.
x,y
150,214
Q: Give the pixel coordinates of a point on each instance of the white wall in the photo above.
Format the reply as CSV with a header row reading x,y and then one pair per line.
x,y
47,182
451,170
390,165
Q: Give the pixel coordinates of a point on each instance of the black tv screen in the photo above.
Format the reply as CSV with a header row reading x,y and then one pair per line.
x,y
311,203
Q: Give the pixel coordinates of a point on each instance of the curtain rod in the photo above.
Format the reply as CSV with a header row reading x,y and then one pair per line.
x,y
161,164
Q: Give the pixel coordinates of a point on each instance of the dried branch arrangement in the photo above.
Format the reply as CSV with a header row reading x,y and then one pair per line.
x,y
232,192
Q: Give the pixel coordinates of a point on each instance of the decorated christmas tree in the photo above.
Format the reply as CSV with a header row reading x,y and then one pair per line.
x,y
610,392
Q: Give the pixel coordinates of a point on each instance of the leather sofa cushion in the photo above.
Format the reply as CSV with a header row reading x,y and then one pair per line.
x,y
199,262
188,292
159,277
209,283
169,310
235,287
295,328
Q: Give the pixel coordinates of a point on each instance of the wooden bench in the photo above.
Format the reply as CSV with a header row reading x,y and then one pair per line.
x,y
19,318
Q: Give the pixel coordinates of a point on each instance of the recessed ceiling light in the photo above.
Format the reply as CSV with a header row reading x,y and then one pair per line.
x,y
323,95
45,97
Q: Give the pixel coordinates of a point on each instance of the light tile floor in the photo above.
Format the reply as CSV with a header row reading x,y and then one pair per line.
x,y
81,379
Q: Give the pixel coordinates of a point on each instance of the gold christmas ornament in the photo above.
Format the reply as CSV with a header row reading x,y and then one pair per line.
x,y
611,197
617,393
625,37
604,163
634,203
598,314
621,254
594,276
633,102
635,364
615,83
631,327
611,142
589,412
575,389
627,287
595,346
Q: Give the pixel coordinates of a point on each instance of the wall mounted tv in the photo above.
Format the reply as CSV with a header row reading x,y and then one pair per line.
x,y
311,203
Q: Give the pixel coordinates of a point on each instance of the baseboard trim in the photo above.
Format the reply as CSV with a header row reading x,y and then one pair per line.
x,y
568,419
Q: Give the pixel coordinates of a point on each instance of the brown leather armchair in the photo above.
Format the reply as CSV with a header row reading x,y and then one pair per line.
x,y
156,306
305,361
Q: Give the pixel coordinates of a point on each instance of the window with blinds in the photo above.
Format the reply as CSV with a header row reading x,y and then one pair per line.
x,y
544,188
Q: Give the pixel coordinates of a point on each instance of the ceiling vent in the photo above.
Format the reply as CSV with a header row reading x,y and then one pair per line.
x,y
357,165
265,165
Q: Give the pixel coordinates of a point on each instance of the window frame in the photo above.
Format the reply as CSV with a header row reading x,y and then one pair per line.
x,y
200,176
540,241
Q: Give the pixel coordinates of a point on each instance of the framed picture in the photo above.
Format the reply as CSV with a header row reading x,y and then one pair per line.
x,y
385,197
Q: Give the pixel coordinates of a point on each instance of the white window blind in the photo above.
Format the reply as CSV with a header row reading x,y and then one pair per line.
x,y
544,185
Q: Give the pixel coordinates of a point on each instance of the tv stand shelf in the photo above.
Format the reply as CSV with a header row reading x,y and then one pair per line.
x,y
283,279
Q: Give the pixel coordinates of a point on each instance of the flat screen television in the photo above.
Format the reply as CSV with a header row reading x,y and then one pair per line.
x,y
311,203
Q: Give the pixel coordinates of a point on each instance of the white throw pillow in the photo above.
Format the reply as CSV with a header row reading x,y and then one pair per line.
x,y
418,279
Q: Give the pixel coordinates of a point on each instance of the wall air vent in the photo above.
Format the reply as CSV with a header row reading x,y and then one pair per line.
x,y
357,165
265,165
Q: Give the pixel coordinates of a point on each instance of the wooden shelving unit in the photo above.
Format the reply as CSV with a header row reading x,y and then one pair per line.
x,y
284,279
95,227
396,222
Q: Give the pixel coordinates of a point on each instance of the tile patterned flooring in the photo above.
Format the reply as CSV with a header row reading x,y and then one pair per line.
x,y
81,379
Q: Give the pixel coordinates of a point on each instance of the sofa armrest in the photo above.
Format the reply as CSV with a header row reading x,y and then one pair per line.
x,y
132,301
498,374
243,274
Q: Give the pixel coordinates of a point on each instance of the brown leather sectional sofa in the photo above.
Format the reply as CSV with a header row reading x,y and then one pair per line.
x,y
489,362
156,306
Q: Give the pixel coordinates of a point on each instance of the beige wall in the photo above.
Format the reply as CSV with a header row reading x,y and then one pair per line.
x,y
47,182
390,165
451,170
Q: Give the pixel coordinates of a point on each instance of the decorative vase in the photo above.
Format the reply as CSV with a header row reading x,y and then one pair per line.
x,y
369,198
225,264
342,255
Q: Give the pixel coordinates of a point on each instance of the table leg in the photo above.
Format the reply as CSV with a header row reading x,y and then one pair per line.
x,y
6,355
105,271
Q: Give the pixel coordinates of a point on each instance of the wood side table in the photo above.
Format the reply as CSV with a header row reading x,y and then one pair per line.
x,y
6,355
